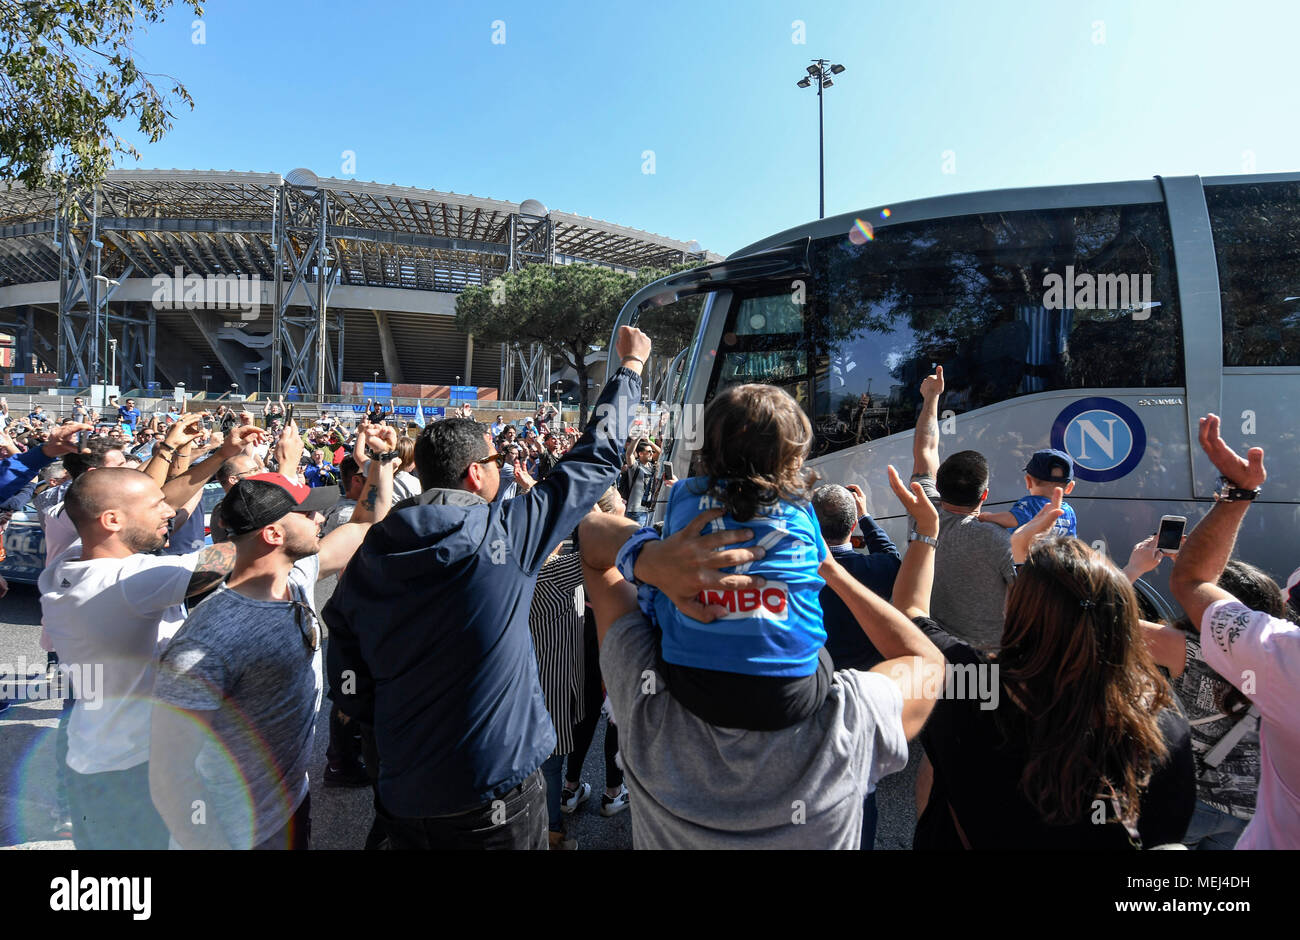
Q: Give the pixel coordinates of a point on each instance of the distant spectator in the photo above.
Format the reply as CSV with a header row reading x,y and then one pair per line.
x,y
319,472
129,415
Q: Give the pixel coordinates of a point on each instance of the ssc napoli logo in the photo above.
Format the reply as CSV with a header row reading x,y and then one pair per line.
x,y
1104,437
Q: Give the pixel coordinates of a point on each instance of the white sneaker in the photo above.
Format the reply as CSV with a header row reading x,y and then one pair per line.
x,y
572,799
613,805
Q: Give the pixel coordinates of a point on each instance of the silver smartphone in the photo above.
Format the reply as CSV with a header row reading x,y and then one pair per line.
x,y
1170,536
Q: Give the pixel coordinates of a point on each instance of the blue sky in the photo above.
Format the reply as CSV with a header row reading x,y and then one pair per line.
x,y
1021,94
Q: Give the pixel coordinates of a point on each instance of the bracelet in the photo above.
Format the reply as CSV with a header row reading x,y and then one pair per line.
x,y
637,358
625,562
382,458
918,537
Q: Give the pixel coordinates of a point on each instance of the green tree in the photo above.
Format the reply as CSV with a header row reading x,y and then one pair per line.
x,y
67,75
567,309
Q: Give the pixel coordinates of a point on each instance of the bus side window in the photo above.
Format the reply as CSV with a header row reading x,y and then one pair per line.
x,y
1257,248
986,296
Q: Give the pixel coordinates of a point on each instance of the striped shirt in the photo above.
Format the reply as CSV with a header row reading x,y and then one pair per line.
x,y
555,620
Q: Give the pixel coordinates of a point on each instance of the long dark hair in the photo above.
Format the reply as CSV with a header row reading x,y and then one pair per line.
x,y
1087,691
756,438
1257,591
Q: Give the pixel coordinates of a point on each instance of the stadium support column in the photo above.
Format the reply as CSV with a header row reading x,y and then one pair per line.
x,y
469,359
304,268
78,262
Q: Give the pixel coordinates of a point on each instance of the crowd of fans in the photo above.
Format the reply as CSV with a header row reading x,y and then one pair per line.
x,y
762,657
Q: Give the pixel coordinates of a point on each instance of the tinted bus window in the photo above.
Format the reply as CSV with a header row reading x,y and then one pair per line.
x,y
1008,303
1257,246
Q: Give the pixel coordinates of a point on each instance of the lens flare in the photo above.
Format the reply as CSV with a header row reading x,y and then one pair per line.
x,y
862,232
885,213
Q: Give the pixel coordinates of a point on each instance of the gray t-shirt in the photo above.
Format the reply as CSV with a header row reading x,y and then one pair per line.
x,y
718,788
246,660
972,568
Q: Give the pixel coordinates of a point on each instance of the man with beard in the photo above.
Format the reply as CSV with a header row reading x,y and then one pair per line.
x,y
240,683
108,606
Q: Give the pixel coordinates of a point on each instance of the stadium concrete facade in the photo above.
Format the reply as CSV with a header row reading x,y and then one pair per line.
x,y
268,281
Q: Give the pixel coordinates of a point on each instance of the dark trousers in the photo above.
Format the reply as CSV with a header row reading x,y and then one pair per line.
x,y
113,810
296,833
515,821
346,745
869,818
593,697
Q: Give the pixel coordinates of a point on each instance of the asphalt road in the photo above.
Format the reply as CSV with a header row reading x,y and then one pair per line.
x,y
341,817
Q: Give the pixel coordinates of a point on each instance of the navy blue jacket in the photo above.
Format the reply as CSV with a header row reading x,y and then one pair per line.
x,y
431,620
846,642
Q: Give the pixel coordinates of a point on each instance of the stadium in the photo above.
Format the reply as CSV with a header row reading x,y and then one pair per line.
x,y
273,283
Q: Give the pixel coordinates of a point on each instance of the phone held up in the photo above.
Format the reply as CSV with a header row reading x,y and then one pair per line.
x,y
1170,536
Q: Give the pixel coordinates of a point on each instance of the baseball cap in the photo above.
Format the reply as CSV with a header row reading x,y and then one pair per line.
x,y
1051,466
268,497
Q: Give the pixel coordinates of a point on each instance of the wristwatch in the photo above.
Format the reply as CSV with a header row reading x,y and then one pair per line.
x,y
1228,492
918,537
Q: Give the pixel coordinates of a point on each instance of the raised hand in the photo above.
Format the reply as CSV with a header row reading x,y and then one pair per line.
x,y
1248,474
239,438
63,439
689,561
932,385
1036,527
631,342
859,498
186,430
917,504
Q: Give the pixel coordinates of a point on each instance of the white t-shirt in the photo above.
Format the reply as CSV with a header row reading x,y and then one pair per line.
x,y
1261,656
110,619
60,533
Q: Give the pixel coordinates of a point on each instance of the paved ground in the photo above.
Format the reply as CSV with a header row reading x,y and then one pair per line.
x,y
340,817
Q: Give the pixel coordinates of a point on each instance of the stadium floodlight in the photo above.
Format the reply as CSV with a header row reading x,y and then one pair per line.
x,y
821,70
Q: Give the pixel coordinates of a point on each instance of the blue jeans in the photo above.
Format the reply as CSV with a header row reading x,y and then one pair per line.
x,y
553,772
869,817
1212,829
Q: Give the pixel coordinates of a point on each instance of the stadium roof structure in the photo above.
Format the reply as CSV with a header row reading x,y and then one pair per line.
x,y
391,258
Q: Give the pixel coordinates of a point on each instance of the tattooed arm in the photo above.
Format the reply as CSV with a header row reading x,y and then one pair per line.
x,y
925,440
214,564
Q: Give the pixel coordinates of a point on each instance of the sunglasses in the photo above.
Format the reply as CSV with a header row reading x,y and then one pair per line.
x,y
307,626
498,458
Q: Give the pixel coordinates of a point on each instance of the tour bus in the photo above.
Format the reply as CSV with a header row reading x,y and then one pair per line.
x,y
1100,319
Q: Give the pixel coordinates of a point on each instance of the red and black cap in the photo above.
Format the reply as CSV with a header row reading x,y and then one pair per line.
x,y
260,500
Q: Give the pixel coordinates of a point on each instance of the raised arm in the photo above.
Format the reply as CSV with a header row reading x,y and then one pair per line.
x,y
925,440
179,490
915,579
1205,554
337,548
549,511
